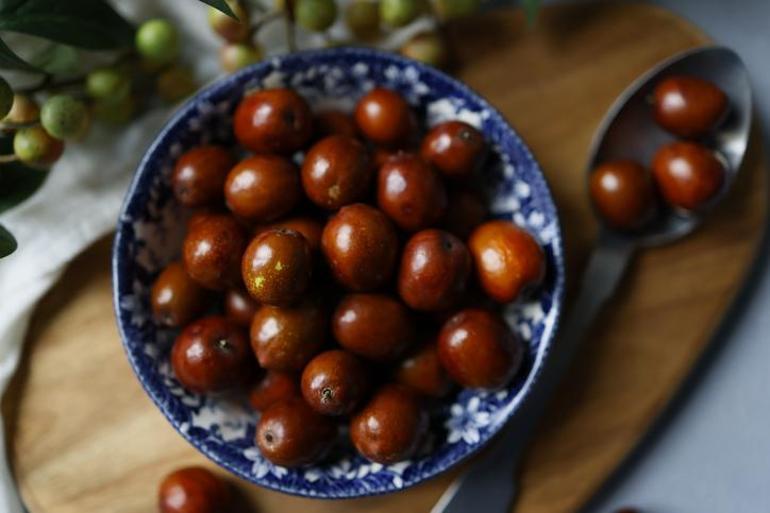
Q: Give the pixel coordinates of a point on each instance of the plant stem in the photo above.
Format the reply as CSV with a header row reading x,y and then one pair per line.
x,y
290,34
10,127
7,159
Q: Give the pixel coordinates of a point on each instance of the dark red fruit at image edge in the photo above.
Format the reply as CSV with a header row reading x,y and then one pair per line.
x,y
337,171
454,147
273,387
212,354
435,266
478,350
687,174
175,297
374,326
689,106
390,426
291,434
361,247
212,251
273,121
384,117
411,192
193,490
199,175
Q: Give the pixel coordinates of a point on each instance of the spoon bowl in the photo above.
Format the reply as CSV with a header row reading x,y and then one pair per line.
x,y
629,131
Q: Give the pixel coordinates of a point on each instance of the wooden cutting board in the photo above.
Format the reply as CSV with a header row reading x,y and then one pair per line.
x,y
85,439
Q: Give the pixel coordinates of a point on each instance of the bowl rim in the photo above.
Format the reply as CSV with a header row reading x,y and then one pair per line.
x,y
121,283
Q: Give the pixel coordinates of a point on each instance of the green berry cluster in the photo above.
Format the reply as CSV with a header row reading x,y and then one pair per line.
x,y
45,117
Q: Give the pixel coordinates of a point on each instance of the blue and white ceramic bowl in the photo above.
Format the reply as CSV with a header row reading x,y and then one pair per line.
x,y
150,231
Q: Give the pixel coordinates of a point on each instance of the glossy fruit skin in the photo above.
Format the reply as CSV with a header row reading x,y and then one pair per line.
x,y
64,117
465,211
422,371
308,227
689,106
334,122
384,117
361,246
157,41
240,306
273,121
277,266
286,338
374,326
334,382
508,260
478,350
434,271
199,175
390,426
212,354
337,171
212,251
363,19
454,147
687,174
176,298
411,192
230,29
24,110
262,188
315,15
273,387
291,434
35,147
623,193
193,490
109,84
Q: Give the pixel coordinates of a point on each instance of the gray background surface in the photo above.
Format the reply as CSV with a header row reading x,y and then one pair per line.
x,y
710,453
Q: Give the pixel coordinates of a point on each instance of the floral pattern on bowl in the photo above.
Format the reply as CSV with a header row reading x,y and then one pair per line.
x,y
150,230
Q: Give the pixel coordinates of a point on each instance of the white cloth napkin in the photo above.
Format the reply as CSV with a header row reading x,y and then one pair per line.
x,y
79,203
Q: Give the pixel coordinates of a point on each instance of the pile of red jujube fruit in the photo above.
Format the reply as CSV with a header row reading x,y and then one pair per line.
x,y
357,287
685,173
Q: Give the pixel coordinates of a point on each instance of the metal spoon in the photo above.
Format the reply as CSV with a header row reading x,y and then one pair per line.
x,y
627,131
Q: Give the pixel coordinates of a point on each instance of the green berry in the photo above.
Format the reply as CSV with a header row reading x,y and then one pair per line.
x,y
108,84
6,98
449,9
64,117
176,83
427,47
229,29
235,56
157,41
34,146
115,113
24,110
315,15
363,19
398,13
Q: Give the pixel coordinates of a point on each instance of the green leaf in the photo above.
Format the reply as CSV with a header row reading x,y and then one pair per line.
x,y
7,242
8,5
57,59
9,60
531,8
222,6
17,181
91,24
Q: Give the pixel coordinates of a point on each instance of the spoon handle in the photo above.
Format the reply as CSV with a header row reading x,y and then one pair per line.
x,y
488,485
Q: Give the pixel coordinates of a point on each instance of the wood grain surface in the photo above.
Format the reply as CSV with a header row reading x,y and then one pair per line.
x,y
84,438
